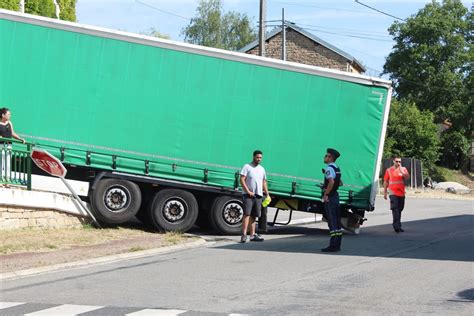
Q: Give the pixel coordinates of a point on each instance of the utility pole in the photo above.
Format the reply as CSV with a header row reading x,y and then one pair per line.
x,y
22,6
283,35
261,33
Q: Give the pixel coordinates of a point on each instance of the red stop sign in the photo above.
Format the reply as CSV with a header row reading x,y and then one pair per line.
x,y
48,163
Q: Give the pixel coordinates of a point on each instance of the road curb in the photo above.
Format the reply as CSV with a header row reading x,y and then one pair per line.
x,y
101,260
442,196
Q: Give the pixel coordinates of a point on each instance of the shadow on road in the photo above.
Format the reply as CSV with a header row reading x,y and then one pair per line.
x,y
446,238
467,294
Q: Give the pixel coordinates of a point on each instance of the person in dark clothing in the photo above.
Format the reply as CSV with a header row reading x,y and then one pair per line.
x,y
6,126
6,131
332,181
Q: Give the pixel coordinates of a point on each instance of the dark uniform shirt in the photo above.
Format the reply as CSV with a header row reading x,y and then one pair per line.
x,y
5,131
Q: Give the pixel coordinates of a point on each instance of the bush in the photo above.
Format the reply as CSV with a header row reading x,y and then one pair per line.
x,y
440,174
455,149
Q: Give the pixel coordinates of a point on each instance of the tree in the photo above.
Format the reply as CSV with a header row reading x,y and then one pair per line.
x,y
155,33
13,5
44,8
430,63
68,10
412,133
456,154
210,27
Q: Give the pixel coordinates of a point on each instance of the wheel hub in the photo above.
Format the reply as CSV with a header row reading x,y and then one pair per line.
x,y
233,213
116,198
174,210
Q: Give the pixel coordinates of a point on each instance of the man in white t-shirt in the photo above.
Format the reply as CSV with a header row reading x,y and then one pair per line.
x,y
254,185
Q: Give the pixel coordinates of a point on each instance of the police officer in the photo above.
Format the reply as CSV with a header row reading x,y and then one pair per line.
x,y
332,181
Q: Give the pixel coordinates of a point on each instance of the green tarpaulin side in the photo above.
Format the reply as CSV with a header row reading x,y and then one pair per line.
x,y
140,102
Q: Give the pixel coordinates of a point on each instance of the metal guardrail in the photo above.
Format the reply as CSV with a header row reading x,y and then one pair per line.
x,y
15,163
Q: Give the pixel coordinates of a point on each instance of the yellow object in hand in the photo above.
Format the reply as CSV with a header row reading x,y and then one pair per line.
x,y
266,201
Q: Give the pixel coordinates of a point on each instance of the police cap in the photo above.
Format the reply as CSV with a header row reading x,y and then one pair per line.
x,y
333,152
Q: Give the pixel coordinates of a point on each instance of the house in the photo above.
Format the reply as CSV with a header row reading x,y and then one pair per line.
x,y
305,48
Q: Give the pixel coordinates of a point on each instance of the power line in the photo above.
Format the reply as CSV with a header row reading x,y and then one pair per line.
x,y
355,32
318,7
350,35
366,32
348,32
161,10
372,8
340,34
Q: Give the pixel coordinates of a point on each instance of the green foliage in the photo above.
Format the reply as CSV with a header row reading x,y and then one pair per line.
x,y
430,65
412,133
68,10
455,149
440,174
13,5
430,58
40,7
155,33
211,27
44,8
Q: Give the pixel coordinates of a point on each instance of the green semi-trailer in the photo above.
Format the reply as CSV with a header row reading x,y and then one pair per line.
x,y
160,129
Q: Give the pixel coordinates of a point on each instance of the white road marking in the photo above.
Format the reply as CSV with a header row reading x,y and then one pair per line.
x,y
9,304
65,310
157,312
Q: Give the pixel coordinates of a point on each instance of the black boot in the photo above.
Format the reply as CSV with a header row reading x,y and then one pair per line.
x,y
332,245
338,243
330,249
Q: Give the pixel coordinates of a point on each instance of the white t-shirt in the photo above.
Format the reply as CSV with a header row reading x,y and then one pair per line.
x,y
254,178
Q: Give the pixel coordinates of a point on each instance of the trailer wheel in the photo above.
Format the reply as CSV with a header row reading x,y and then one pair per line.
x,y
226,215
174,210
115,201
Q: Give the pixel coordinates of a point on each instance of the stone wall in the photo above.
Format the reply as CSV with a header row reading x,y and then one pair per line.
x,y
20,217
301,49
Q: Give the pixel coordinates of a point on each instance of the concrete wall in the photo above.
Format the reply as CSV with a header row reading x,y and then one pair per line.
x,y
301,49
20,209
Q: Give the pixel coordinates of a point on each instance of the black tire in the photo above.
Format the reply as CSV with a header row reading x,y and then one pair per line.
x,y
115,201
226,215
174,210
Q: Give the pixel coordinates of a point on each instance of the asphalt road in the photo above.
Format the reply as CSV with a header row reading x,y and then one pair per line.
x,y
427,269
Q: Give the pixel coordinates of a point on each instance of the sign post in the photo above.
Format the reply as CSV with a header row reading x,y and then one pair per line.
x,y
53,166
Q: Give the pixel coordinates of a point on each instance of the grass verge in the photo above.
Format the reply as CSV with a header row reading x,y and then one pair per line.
x,y
44,240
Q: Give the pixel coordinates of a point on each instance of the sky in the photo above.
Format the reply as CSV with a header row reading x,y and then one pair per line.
x,y
354,28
